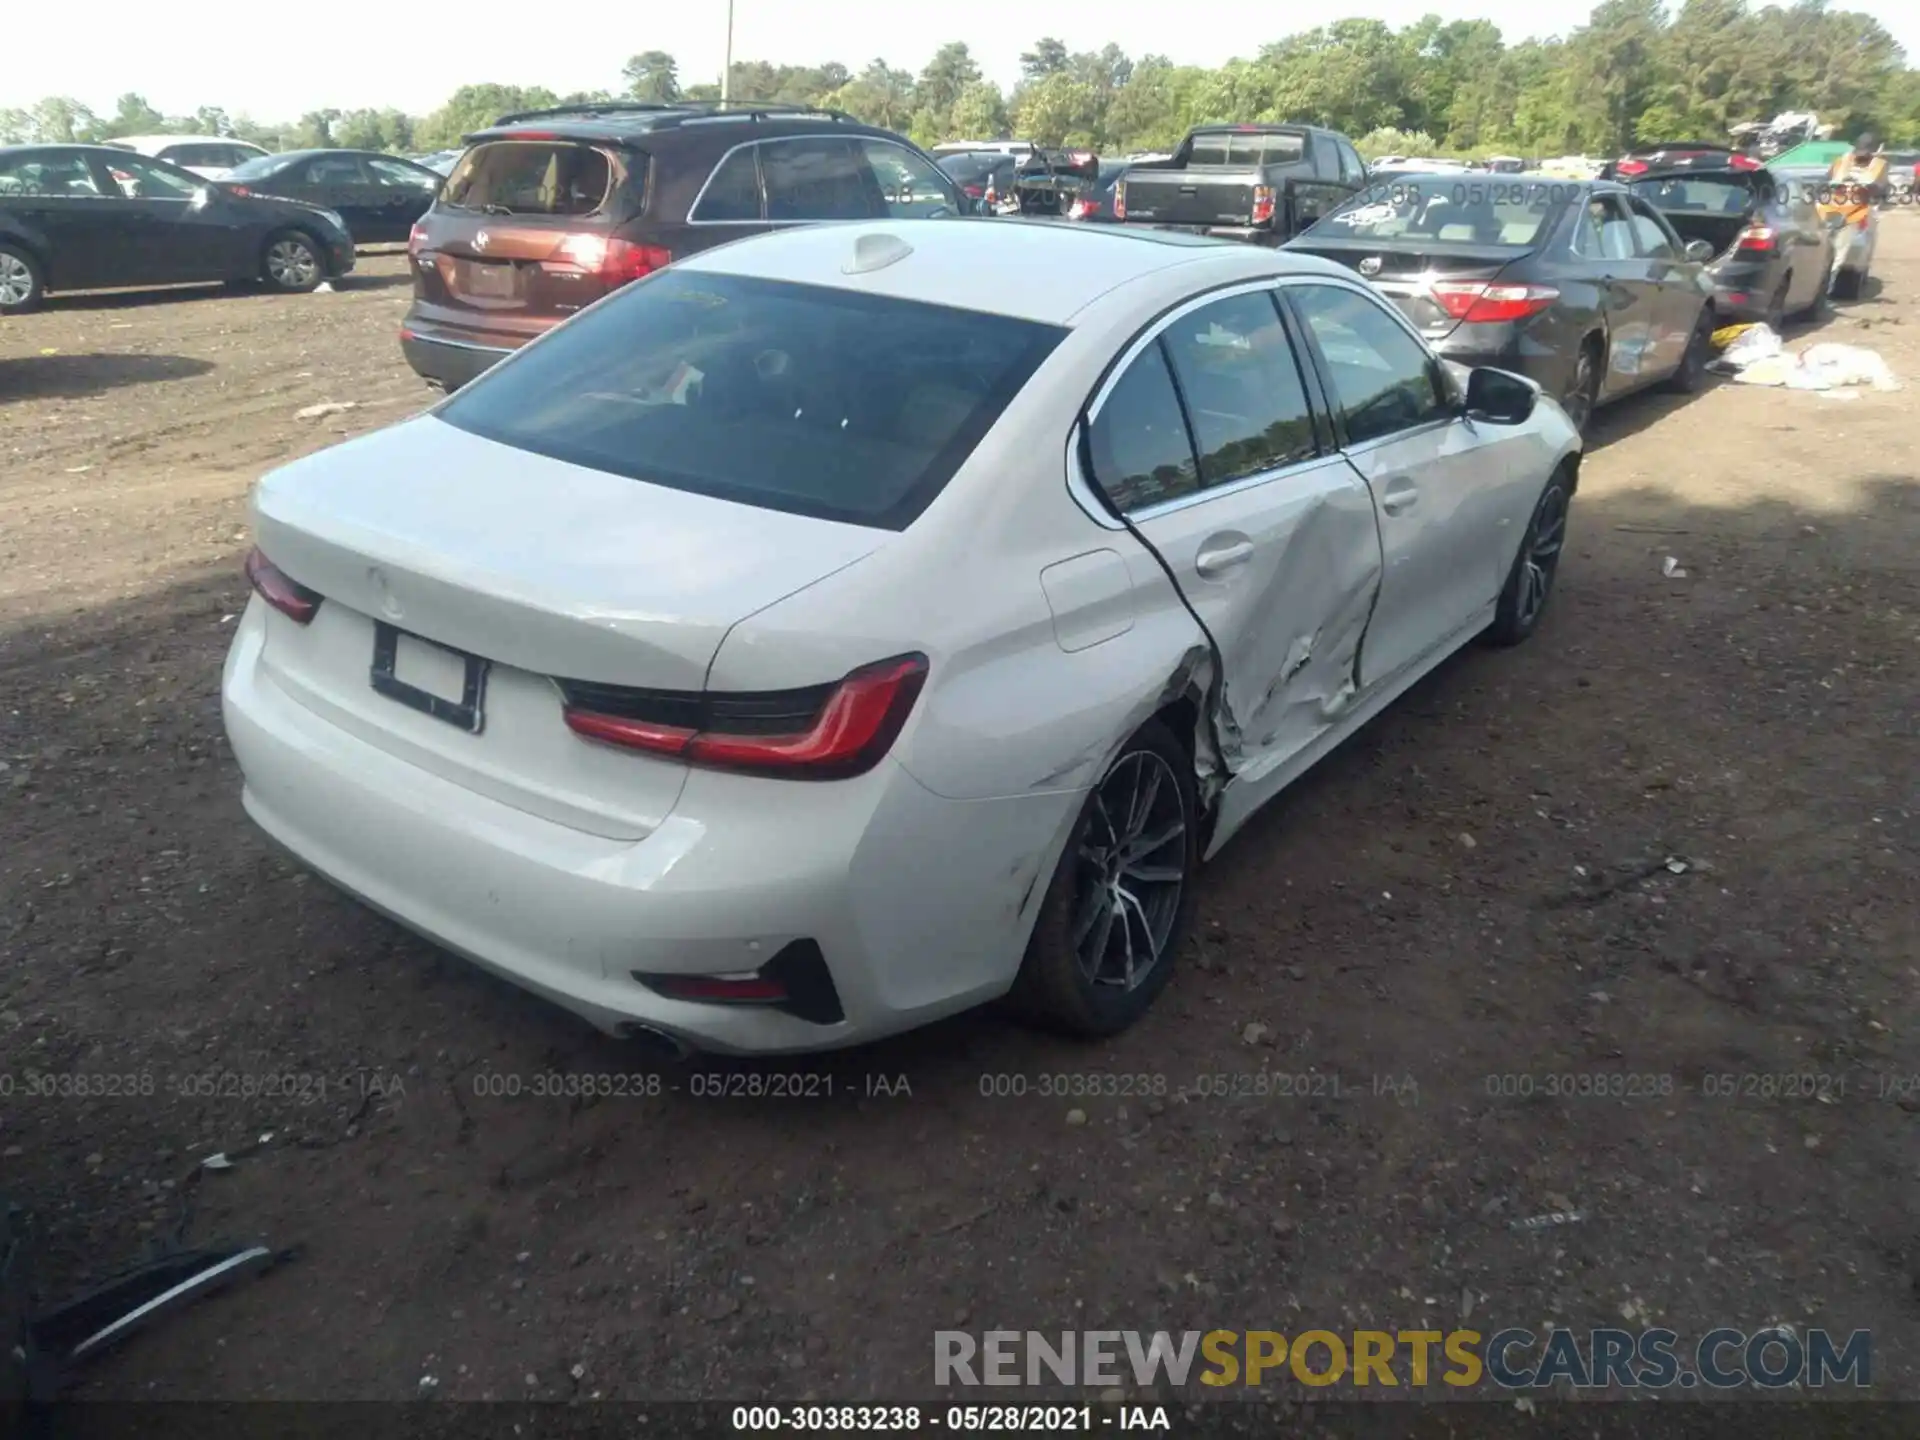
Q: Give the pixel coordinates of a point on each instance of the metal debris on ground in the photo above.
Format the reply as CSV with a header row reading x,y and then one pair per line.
x,y
329,407
1670,567
1548,1221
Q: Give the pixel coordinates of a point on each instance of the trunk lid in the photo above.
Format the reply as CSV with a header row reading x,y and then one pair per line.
x,y
1204,195
546,570
1404,273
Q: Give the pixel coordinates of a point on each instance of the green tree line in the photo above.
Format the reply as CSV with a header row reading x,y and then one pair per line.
x,y
1635,71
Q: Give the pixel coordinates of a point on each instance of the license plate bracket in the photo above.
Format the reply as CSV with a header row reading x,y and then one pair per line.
x,y
468,713
493,280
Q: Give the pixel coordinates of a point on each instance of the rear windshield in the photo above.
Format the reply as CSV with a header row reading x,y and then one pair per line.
x,y
1445,209
258,168
816,401
970,167
1228,148
1696,196
530,177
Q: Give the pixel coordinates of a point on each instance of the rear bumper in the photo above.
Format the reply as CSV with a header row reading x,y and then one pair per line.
x,y
909,897
1551,371
449,363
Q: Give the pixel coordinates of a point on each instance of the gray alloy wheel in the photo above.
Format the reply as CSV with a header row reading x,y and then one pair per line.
x,y
1530,583
292,262
19,281
1132,871
1583,389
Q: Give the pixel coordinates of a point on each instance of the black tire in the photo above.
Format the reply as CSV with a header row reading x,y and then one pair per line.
x,y
1691,374
1847,284
1582,394
291,263
22,278
1523,599
1776,314
1056,985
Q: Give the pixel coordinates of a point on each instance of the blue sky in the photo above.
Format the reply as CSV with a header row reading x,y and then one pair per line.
x,y
235,54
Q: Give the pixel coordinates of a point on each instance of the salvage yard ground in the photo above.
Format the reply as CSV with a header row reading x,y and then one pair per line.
x,y
1474,897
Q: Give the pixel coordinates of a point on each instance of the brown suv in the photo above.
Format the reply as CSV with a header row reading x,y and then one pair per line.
x,y
549,210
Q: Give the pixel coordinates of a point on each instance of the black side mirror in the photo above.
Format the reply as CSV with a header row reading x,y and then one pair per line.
x,y
1499,397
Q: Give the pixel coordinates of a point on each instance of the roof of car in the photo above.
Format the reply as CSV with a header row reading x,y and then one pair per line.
x,y
164,140
1041,270
622,120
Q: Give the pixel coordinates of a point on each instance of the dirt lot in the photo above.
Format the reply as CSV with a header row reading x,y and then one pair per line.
x,y
1474,888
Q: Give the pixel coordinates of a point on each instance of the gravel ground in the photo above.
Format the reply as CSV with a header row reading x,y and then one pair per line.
x,y
1672,838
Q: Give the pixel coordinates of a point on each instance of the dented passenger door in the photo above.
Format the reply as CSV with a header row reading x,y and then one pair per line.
x,y
1207,441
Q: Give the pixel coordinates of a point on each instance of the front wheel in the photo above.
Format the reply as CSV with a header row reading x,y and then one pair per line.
x,y
1523,599
292,264
1121,898
22,287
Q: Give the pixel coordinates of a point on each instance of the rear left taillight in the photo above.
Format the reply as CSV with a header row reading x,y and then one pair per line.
x,y
1120,200
1742,162
1757,238
1631,167
281,590
1478,302
614,261
974,192
1081,209
826,733
1262,204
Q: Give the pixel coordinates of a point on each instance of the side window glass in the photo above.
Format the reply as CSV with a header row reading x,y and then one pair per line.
x,y
336,170
1142,454
1616,233
141,179
1650,235
402,177
1586,232
734,191
58,175
815,180
910,188
1242,386
1351,170
1383,379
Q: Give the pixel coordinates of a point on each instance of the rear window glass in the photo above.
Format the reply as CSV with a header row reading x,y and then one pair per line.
x,y
1695,196
530,177
1443,209
970,167
1228,148
259,167
800,398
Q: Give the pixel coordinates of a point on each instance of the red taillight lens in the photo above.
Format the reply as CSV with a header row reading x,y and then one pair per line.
x,y
727,989
1757,237
1120,201
1081,209
237,190
281,590
615,261
1478,303
1262,204
1631,167
416,240
974,192
1742,162
847,735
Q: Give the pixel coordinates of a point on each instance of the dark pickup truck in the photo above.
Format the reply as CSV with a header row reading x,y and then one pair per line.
x,y
1261,183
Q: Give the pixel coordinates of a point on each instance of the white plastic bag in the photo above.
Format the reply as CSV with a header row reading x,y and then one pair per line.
x,y
1758,342
1834,366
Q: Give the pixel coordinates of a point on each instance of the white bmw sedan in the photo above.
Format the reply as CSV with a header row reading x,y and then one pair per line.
x,y
857,623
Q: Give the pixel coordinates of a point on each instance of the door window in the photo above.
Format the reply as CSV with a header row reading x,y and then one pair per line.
x,y
397,175
1651,235
1609,218
733,192
1242,387
1142,452
337,170
910,188
43,174
1351,170
815,179
143,179
1384,380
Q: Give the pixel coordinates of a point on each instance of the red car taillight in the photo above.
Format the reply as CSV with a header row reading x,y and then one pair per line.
x,y
615,261
416,240
281,590
842,730
1262,204
1120,200
1081,209
1479,303
1756,238
974,192
1743,162
1631,167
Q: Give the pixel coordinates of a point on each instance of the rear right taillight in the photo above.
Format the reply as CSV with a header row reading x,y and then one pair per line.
x,y
1757,238
1081,209
1262,204
1120,200
1631,167
1477,302
416,240
281,590
614,261
827,733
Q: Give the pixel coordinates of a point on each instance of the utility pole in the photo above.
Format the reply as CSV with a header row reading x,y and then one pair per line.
x,y
726,75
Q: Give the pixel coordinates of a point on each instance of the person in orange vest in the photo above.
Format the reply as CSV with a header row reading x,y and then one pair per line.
x,y
1855,181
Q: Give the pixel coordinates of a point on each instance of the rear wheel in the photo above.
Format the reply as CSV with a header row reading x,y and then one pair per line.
x,y
1122,897
1776,315
1529,585
1847,283
1583,389
22,286
1691,373
291,263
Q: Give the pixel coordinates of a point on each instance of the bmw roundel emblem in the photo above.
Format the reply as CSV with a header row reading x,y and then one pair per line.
x,y
1370,265
482,240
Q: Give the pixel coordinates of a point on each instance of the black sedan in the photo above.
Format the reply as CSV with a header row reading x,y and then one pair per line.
x,y
1771,253
379,196
1580,285
86,217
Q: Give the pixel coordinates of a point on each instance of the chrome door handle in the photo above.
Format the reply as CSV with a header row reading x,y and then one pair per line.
x,y
1218,557
1401,499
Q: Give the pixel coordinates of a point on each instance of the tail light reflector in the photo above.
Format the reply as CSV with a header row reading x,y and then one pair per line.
x,y
281,590
1631,167
1742,162
1757,238
416,240
1081,209
844,732
747,989
615,261
1262,204
1479,303
1120,200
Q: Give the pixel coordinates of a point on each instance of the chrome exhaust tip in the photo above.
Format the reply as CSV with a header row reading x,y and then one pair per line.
x,y
656,1044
